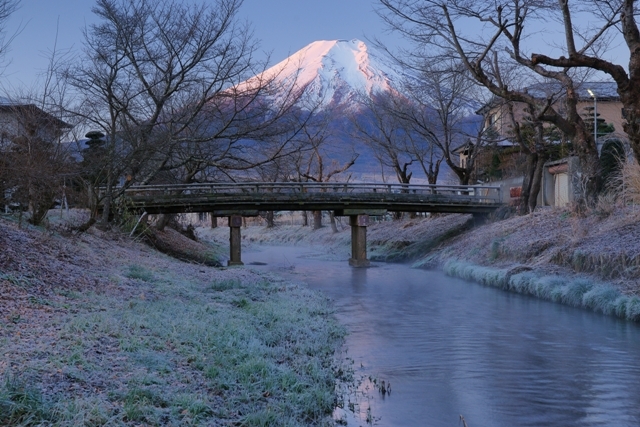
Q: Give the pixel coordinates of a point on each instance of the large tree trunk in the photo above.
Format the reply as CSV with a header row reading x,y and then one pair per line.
x,y
631,126
591,179
432,174
629,88
585,146
536,182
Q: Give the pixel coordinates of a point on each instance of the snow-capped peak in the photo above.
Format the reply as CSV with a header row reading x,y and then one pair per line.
x,y
335,71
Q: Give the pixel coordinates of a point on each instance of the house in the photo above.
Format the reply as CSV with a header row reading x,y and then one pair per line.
x,y
21,120
29,144
600,107
599,99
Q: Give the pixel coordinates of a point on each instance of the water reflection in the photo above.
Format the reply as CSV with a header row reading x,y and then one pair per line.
x,y
358,279
450,347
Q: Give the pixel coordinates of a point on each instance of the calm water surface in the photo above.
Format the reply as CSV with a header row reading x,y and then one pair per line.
x,y
452,348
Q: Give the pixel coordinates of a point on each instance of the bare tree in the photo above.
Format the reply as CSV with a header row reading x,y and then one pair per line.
x,y
35,164
582,49
531,138
161,79
440,112
38,166
487,38
7,7
376,125
279,169
322,158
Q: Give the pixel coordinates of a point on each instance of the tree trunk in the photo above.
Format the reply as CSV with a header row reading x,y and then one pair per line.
x,y
632,125
591,181
432,173
163,221
269,218
536,182
214,221
106,206
630,95
585,146
332,219
317,220
527,183
305,219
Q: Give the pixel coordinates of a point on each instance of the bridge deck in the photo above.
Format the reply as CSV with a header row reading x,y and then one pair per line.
x,y
253,197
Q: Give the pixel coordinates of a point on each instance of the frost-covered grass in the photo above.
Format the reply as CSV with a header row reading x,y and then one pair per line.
x,y
576,292
629,181
181,352
21,405
138,272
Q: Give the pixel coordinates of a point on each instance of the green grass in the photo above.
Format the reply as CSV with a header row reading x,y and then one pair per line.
x,y
19,281
225,285
140,273
21,404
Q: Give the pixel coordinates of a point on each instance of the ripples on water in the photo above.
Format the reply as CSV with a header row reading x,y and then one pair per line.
x,y
452,348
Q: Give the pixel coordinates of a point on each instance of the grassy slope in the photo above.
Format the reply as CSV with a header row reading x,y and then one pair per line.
x,y
98,330
590,261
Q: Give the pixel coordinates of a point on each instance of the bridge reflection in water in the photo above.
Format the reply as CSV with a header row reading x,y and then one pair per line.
x,y
358,201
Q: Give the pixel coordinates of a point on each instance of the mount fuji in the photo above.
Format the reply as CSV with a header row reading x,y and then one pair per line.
x,y
335,75
335,72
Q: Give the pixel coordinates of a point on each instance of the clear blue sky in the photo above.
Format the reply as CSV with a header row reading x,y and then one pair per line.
x,y
283,26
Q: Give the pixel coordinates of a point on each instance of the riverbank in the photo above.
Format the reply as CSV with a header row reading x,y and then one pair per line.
x,y
97,328
590,261
587,260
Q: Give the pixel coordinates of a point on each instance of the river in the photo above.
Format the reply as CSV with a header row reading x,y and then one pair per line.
x,y
450,348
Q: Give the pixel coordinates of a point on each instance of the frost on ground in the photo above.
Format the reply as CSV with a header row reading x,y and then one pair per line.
x,y
387,240
604,248
98,329
556,242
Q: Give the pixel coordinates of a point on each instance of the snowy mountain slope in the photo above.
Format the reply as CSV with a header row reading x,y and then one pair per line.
x,y
335,71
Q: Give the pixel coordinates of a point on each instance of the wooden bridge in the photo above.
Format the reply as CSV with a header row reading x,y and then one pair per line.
x,y
356,200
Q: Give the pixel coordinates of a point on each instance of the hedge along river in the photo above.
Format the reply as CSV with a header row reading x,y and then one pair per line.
x,y
450,347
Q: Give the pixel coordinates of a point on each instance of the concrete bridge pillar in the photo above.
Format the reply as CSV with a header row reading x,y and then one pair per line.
x,y
359,225
235,222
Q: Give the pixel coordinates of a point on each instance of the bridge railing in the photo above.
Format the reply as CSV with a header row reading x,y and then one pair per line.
x,y
480,193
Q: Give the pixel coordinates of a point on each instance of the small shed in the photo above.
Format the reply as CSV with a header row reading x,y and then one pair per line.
x,y
559,182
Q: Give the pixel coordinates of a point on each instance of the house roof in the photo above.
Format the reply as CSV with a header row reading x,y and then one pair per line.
x,y
8,105
604,91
